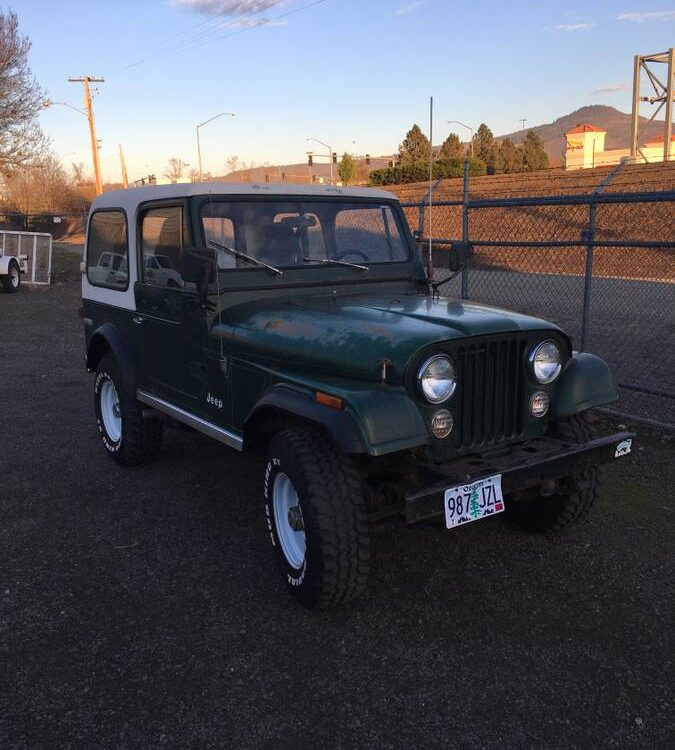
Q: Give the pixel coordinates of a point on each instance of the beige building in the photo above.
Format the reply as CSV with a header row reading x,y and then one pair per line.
x,y
585,149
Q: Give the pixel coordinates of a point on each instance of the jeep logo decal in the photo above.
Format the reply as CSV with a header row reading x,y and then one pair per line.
x,y
214,401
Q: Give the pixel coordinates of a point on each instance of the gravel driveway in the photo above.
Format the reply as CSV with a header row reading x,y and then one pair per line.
x,y
139,608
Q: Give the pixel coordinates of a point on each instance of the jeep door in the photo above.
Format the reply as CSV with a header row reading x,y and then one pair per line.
x,y
170,318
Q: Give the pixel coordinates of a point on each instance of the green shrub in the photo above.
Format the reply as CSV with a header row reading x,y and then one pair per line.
x,y
419,171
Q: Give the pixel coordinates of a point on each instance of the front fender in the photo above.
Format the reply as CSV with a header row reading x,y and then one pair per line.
x,y
372,421
585,382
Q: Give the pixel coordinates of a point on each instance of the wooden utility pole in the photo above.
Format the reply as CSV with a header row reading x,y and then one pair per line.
x,y
123,164
86,80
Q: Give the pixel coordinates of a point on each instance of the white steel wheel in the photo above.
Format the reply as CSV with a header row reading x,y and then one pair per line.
x,y
110,411
288,520
14,276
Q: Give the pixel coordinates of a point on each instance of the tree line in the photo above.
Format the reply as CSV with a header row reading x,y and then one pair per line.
x,y
487,156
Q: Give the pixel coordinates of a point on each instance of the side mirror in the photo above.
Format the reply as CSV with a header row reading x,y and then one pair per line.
x,y
459,256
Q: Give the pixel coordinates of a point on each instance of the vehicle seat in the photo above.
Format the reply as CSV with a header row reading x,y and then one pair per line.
x,y
281,246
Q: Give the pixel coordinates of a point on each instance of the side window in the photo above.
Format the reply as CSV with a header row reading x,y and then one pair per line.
x,y
108,250
161,243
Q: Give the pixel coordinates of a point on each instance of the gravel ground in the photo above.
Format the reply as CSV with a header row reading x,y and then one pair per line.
x,y
140,608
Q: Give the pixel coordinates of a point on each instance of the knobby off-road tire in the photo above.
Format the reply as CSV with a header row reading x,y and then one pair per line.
x,y
330,564
11,281
576,493
127,436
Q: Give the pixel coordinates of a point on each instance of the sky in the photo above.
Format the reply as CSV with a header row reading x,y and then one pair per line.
x,y
355,74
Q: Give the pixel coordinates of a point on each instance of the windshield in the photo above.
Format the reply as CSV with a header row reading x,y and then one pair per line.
x,y
299,233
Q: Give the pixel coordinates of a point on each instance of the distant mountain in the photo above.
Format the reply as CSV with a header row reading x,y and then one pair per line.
x,y
616,123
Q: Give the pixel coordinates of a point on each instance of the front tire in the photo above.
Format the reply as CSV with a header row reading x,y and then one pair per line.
x,y
11,281
316,517
129,437
576,493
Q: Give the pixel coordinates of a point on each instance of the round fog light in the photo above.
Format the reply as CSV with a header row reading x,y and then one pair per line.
x,y
539,404
441,424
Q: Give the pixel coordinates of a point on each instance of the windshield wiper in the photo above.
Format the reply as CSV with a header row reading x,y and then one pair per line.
x,y
332,262
244,256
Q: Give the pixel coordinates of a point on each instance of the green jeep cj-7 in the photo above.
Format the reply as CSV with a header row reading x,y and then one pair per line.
x,y
297,323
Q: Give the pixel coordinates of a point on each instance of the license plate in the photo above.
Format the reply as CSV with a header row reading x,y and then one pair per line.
x,y
471,502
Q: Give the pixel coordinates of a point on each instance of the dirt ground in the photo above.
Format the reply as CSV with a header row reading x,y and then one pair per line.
x,y
140,608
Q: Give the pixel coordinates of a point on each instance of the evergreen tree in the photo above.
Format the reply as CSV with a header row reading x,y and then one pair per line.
x,y
483,142
415,147
346,168
452,147
484,147
534,154
510,157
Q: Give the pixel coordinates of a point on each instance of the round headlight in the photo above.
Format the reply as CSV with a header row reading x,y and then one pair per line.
x,y
437,378
546,362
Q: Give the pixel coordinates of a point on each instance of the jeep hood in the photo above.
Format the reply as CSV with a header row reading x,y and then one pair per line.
x,y
348,336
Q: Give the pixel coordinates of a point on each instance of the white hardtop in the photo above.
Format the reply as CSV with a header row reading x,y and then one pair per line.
x,y
132,197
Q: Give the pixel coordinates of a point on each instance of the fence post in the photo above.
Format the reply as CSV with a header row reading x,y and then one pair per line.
x,y
420,218
34,257
465,227
588,236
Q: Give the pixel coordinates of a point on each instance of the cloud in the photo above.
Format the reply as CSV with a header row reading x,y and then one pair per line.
x,y
251,23
642,17
226,7
574,26
409,8
625,86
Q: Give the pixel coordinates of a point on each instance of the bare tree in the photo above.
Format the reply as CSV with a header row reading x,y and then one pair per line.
x,y
232,163
175,167
21,139
43,187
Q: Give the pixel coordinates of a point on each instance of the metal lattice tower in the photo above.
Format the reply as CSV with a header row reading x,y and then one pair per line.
x,y
662,95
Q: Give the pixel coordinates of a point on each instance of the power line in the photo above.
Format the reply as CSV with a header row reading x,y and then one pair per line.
x,y
188,45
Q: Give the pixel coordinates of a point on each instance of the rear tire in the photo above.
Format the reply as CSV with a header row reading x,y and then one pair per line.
x,y
11,281
576,493
316,517
127,436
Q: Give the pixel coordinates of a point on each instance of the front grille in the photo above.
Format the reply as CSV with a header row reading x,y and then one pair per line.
x,y
491,392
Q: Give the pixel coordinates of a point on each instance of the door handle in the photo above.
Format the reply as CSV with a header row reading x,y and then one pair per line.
x,y
137,319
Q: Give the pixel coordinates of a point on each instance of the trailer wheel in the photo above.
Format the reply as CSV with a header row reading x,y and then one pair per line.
x,y
127,435
11,281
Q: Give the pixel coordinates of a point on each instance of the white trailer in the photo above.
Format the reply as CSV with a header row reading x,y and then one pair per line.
x,y
27,253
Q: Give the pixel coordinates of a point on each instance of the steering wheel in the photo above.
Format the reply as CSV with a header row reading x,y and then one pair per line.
x,y
341,255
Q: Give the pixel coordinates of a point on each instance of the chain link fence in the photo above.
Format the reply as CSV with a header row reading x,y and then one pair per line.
x,y
601,265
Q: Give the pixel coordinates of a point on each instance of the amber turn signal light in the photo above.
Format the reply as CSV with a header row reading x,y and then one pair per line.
x,y
327,400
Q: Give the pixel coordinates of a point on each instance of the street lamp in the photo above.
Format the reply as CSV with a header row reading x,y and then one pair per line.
x,y
92,132
330,155
201,125
457,122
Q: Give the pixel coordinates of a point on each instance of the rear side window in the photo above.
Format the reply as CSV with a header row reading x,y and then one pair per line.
x,y
108,250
